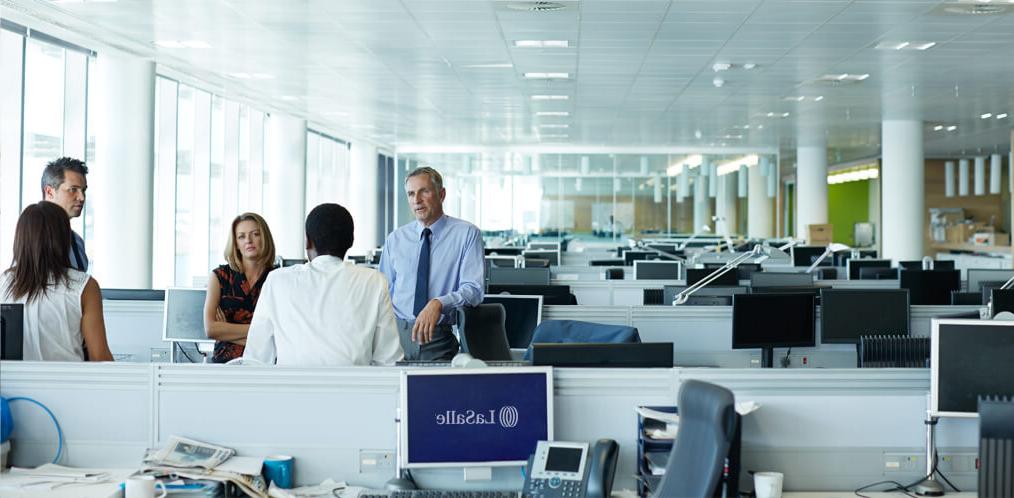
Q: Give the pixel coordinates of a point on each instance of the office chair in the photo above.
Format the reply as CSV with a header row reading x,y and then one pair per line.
x,y
614,273
996,447
653,297
557,331
484,332
708,425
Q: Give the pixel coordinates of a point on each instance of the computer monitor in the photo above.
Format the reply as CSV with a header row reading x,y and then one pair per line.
x,y
780,279
669,293
12,331
930,286
854,266
768,321
552,256
501,262
977,275
519,276
969,359
694,275
943,264
877,273
606,262
847,314
474,417
183,318
743,270
133,294
548,246
806,255
657,270
1003,300
842,256
523,314
551,294
299,261
604,355
666,248
503,251
630,256
986,289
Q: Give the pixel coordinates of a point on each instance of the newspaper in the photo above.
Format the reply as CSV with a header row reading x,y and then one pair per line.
x,y
188,453
251,485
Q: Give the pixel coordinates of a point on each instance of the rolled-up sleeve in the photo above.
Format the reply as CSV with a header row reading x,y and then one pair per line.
x,y
471,272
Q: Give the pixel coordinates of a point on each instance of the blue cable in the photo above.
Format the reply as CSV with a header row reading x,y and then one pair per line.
x,y
59,431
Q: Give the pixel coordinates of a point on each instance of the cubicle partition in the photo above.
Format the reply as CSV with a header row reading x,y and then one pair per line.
x,y
826,429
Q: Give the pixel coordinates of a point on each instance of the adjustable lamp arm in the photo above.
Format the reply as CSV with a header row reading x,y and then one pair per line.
x,y
831,249
682,297
640,244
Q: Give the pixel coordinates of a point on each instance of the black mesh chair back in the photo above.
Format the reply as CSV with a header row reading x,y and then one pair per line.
x,y
653,297
966,298
614,273
484,332
708,424
996,447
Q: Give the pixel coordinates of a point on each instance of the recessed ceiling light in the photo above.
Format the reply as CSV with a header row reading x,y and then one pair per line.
x,y
552,113
550,97
818,98
541,43
250,76
1003,115
749,65
785,114
987,115
905,45
504,65
843,77
547,76
554,135
721,66
938,127
952,128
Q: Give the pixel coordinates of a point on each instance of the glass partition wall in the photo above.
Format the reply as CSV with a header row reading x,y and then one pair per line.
x,y
591,196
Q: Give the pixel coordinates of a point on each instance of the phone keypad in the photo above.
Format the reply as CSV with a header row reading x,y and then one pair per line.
x,y
555,487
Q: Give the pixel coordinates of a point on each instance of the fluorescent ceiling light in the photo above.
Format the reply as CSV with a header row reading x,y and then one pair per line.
x,y
552,113
844,77
689,162
733,165
504,65
550,97
558,135
553,125
541,43
938,127
547,76
289,98
1003,115
250,76
952,128
853,175
987,115
818,98
169,44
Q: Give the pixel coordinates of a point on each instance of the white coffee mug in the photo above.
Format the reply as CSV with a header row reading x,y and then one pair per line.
x,y
143,487
768,484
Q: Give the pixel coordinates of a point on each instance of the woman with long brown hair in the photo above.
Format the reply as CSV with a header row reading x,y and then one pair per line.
x,y
63,306
233,288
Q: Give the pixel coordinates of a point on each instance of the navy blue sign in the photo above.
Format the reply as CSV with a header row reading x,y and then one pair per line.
x,y
473,418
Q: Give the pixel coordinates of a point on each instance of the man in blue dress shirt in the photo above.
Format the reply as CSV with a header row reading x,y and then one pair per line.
x,y
434,266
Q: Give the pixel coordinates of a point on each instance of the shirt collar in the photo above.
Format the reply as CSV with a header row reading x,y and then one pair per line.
x,y
326,261
435,229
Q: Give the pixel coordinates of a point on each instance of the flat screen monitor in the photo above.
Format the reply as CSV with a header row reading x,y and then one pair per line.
x,y
519,276
842,256
743,270
781,279
475,417
133,294
606,262
1003,300
943,264
969,358
729,278
854,266
501,262
183,320
669,293
806,255
769,321
298,261
986,289
927,287
666,248
657,270
847,314
523,314
548,246
878,273
552,256
975,276
12,331
551,294
630,256
604,355
504,251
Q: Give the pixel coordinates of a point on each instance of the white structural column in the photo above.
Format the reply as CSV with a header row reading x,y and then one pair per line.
x,y
725,205
363,195
702,202
902,181
121,180
811,185
760,207
285,193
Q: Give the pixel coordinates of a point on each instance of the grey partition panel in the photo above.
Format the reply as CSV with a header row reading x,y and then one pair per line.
x,y
614,315
134,329
862,284
921,316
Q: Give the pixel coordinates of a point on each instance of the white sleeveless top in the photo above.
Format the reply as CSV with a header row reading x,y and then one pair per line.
x,y
52,322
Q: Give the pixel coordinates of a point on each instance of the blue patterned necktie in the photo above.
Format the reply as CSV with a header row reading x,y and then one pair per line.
x,y
422,276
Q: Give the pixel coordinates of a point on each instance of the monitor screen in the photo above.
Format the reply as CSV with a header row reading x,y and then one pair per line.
x,y
551,294
12,331
183,320
523,314
476,417
503,251
743,270
630,256
519,276
882,312
854,266
806,255
666,248
657,270
772,320
669,292
1003,300
930,286
296,261
133,294
943,264
604,355
695,275
986,289
552,256
976,276
970,358
780,279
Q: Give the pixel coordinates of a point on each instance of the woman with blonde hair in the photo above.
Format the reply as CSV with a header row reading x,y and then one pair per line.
x,y
233,288
62,306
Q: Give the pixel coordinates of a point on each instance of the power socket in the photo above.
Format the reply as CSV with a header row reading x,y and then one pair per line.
x,y
957,463
375,461
907,463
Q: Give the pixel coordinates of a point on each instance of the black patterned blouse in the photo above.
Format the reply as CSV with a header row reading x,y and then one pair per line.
x,y
237,301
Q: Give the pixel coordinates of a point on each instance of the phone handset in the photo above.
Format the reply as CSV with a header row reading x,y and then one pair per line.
x,y
561,469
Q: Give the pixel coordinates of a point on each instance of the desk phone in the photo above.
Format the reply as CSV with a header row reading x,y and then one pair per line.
x,y
561,469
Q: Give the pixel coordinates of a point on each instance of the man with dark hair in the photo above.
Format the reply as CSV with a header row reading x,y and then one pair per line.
x,y
434,266
64,183
325,312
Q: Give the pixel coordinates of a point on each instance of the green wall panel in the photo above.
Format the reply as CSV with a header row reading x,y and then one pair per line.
x,y
847,204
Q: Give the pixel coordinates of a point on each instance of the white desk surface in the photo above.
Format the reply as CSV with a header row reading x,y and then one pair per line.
x,y
109,489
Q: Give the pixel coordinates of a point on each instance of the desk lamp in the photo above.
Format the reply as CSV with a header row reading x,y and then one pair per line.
x,y
682,297
704,229
642,246
989,307
721,221
831,249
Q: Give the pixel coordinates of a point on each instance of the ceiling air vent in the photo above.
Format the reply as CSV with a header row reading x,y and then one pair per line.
x,y
970,8
537,6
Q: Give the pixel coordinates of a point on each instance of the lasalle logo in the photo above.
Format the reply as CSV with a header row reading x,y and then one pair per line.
x,y
508,417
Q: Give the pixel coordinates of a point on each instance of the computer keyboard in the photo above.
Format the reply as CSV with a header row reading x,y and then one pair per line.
x,y
490,363
433,493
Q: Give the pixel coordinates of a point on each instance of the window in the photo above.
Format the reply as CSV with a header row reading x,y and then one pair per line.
x,y
11,69
327,170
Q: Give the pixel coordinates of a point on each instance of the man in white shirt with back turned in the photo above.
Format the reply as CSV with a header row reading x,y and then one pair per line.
x,y
326,312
